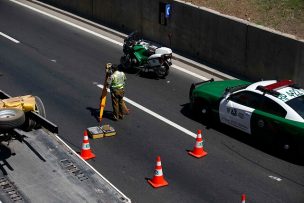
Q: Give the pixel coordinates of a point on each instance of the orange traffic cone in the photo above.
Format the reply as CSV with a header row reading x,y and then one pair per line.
x,y
86,152
198,150
243,198
158,179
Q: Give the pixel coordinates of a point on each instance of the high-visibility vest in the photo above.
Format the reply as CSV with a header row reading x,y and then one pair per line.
x,y
118,80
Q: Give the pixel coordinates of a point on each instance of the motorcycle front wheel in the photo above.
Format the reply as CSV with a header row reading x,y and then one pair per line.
x,y
162,71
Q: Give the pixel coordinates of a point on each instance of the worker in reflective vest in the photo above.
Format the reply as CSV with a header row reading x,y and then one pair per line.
x,y
117,84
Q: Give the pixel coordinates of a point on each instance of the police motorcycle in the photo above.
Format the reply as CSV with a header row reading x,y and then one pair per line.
x,y
146,57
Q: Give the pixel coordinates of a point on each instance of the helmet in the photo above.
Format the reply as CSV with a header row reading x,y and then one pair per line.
x,y
114,67
108,67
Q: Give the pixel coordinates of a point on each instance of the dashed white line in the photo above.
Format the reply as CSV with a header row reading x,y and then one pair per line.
x,y
275,178
188,132
8,37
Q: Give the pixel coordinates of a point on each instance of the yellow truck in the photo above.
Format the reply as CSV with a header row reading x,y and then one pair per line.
x,y
20,112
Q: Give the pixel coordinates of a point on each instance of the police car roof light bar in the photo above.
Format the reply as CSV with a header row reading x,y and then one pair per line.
x,y
267,91
279,84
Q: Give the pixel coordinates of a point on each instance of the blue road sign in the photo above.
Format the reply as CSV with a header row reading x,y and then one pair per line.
x,y
168,10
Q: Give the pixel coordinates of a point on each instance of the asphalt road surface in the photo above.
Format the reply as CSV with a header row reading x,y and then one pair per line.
x,y
63,65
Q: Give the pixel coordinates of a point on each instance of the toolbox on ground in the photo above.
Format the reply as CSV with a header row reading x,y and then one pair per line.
x,y
101,131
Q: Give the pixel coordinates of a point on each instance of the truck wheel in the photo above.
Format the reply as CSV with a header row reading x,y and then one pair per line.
x,y
30,124
11,118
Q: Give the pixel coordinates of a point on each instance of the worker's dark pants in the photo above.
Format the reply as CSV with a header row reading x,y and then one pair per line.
x,y
117,102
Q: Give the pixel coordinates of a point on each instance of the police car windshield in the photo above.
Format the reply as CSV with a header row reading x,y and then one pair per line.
x,y
297,104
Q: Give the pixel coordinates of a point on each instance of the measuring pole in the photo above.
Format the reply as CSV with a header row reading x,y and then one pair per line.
x,y
103,97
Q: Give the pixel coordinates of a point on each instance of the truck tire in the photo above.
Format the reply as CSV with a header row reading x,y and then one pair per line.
x,y
11,118
30,124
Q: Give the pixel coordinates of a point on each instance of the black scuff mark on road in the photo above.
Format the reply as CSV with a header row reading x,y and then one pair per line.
x,y
263,167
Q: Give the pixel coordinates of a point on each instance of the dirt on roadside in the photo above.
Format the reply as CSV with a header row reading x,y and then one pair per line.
x,y
286,16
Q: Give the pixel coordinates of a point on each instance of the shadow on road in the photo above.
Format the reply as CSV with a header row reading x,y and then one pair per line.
x,y
261,143
95,113
142,74
5,153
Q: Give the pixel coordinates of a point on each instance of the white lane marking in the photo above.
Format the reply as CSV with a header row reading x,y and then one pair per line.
x,y
275,178
188,132
189,72
69,23
99,35
8,37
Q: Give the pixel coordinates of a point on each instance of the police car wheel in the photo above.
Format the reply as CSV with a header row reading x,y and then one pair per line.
x,y
205,110
200,109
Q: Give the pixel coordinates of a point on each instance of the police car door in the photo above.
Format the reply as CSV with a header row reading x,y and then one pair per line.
x,y
234,111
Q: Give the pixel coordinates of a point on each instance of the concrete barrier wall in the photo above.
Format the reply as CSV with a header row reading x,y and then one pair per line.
x,y
123,15
299,64
271,55
231,44
208,36
79,7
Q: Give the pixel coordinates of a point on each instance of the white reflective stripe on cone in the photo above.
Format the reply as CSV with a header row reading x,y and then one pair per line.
x,y
86,146
199,144
158,172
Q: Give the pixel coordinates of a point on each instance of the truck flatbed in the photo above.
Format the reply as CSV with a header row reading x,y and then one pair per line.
x,y
37,166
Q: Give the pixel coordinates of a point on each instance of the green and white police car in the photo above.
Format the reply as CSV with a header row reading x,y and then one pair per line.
x,y
266,108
